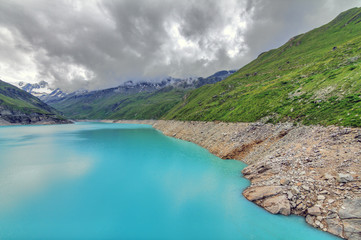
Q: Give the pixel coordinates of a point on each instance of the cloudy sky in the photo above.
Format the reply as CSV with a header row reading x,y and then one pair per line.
x,y
99,43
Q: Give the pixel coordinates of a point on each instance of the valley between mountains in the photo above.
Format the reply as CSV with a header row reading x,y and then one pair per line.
x,y
293,114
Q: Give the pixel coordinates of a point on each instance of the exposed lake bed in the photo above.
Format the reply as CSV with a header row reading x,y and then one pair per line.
x,y
311,171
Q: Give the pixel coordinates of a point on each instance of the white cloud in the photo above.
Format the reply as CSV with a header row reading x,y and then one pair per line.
x,y
98,44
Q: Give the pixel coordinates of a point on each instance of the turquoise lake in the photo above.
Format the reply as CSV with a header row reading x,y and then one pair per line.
x,y
126,181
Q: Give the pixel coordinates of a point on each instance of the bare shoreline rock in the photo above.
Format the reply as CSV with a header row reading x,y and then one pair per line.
x,y
277,205
311,171
258,193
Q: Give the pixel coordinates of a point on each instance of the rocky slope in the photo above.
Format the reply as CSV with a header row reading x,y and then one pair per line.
x,y
312,171
20,107
35,89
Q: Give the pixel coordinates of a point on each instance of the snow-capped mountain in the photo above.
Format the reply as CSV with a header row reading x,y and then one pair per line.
x,y
131,87
41,90
36,89
56,94
44,92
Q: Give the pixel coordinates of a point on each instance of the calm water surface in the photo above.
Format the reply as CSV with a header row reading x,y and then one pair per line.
x,y
126,181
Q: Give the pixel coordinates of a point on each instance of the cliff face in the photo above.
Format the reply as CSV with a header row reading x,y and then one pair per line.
x,y
311,171
11,117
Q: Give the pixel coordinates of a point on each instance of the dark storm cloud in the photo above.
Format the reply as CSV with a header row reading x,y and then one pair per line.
x,y
97,44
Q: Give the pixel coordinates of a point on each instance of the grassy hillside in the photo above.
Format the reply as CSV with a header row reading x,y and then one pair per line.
x,y
315,78
14,101
144,100
121,106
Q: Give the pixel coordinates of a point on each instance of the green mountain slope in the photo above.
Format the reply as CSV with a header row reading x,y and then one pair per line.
x,y
18,106
315,78
120,106
145,100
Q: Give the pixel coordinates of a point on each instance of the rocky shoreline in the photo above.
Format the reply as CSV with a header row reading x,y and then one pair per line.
x,y
31,120
311,171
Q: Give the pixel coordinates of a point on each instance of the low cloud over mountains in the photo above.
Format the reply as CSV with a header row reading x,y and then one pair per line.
x,y
98,44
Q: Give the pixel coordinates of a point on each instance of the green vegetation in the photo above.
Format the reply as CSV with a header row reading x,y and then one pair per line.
x,y
121,106
17,100
315,78
144,100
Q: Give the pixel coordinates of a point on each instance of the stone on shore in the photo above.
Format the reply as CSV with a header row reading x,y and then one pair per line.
x,y
352,229
316,167
334,227
310,219
257,193
344,178
278,204
351,208
315,211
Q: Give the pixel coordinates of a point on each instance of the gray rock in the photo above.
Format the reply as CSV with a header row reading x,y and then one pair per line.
x,y
334,227
315,211
355,236
295,190
307,188
278,204
331,215
289,195
352,228
344,178
351,208
310,220
321,197
324,192
256,193
327,176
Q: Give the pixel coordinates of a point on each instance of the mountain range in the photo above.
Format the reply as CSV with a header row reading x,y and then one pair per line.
x,y
142,100
41,90
314,78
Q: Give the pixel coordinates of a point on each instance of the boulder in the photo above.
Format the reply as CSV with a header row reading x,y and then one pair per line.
x,y
351,208
253,171
350,213
334,227
278,204
310,220
257,193
315,211
344,178
352,229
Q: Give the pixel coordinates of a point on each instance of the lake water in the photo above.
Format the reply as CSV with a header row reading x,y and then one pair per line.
x,y
126,181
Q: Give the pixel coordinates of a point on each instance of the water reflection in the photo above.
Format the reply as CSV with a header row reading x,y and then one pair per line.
x,y
31,161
